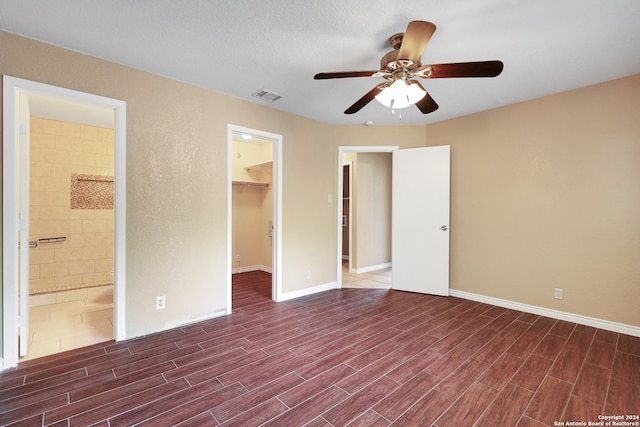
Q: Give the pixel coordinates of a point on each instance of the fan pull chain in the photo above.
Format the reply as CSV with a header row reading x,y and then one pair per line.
x,y
400,115
394,111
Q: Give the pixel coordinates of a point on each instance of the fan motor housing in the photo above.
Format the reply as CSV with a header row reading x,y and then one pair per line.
x,y
390,62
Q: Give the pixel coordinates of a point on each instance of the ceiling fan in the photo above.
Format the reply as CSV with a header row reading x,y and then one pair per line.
x,y
403,63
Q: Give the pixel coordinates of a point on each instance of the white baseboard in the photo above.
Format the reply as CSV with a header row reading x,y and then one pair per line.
x,y
548,312
205,316
252,268
372,268
308,291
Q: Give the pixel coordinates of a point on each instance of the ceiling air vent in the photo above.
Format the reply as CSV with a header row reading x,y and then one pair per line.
x,y
266,95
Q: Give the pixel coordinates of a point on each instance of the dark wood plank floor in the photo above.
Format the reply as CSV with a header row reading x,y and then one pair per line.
x,y
344,357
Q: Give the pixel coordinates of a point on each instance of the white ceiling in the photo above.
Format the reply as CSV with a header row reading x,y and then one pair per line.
x,y
240,46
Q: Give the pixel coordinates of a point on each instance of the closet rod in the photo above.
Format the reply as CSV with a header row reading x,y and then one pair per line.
x,y
252,184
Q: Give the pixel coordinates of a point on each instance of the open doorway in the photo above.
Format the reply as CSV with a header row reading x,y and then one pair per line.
x,y
365,217
254,214
63,219
347,182
419,217
71,226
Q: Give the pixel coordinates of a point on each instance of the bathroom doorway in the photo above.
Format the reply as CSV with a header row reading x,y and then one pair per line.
x,y
70,230
64,261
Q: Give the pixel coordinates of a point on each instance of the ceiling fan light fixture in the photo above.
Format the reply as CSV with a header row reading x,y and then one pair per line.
x,y
404,63
400,94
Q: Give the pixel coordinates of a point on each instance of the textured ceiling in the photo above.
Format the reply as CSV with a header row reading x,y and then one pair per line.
x,y
240,46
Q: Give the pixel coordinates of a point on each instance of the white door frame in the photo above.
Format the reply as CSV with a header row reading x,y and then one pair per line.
x,y
339,192
24,124
276,185
350,216
13,88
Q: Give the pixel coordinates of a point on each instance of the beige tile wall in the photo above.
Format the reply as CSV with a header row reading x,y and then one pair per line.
x,y
58,150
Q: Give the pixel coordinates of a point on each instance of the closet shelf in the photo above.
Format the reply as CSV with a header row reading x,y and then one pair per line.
x,y
252,184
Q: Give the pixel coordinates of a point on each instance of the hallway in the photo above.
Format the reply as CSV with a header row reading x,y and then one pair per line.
x,y
378,279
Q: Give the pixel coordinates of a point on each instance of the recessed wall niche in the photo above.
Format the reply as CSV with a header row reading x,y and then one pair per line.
x,y
91,191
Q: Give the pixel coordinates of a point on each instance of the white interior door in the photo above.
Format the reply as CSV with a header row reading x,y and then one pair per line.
x,y
420,220
23,224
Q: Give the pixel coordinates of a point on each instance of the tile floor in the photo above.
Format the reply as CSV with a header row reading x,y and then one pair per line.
x,y
356,357
67,325
379,279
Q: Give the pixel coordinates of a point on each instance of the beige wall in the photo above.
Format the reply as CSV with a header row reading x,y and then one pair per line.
x,y
177,181
58,150
373,210
252,208
518,174
546,194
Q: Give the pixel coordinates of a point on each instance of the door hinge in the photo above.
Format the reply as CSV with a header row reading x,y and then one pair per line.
x,y
22,321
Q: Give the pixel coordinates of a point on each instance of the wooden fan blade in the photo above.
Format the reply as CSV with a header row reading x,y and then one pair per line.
x,y
367,98
415,40
343,74
427,104
466,69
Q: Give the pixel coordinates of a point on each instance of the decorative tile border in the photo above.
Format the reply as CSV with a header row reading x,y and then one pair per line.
x,y
91,191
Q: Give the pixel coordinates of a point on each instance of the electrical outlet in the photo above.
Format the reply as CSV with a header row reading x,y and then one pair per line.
x,y
308,274
557,293
161,302
237,257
